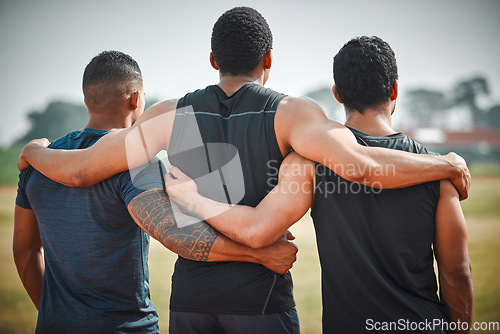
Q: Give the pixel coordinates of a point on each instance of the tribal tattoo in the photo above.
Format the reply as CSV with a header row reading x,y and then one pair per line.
x,y
152,211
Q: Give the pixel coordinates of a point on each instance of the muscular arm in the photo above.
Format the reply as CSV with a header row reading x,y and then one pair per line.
x,y
28,253
116,152
301,124
260,226
452,256
152,211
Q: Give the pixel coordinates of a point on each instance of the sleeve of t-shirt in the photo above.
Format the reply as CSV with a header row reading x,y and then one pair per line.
x,y
141,179
426,151
22,199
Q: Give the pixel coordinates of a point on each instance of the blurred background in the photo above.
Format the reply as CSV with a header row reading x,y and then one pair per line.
x,y
449,80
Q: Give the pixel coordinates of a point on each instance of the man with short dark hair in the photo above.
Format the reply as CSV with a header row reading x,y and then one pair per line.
x,y
94,260
259,127
93,263
376,246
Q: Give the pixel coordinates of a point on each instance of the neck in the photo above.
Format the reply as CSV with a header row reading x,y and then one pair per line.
x,y
103,121
231,83
373,122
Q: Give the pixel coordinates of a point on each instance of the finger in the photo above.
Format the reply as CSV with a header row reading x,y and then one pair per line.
x,y
464,195
461,192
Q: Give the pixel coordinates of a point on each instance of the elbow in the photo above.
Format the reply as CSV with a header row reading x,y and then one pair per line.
x,y
22,255
366,173
255,243
80,179
17,254
260,232
459,278
464,274
258,239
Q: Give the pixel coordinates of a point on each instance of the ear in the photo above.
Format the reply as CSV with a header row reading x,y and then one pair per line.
x,y
268,60
213,62
394,90
134,99
337,97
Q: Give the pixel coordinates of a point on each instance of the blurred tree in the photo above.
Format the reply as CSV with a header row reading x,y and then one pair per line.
x,y
8,169
58,119
466,93
55,121
493,117
426,105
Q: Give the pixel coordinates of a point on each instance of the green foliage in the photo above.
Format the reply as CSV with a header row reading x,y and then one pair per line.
x,y
58,119
55,121
8,168
493,117
427,104
466,93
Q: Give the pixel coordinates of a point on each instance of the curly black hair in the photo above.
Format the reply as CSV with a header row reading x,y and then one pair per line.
x,y
364,70
240,38
108,75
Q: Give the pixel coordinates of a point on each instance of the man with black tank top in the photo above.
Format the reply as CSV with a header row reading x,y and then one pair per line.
x,y
375,246
258,128
103,287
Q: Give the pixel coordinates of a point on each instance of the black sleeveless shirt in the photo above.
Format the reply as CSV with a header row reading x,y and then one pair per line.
x,y
375,248
228,145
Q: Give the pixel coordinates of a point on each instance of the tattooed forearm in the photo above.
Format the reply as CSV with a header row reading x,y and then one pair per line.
x,y
152,211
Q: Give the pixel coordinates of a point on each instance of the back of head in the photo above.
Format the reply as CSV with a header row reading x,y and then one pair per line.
x,y
109,77
240,38
364,70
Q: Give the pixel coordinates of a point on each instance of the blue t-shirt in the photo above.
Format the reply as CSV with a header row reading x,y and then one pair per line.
x,y
96,258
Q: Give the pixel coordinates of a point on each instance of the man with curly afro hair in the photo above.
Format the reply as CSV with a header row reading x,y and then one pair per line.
x,y
240,38
259,127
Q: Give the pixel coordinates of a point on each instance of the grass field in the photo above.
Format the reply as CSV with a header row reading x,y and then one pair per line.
x,y
482,209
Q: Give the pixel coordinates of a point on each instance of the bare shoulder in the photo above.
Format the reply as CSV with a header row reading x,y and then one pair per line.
x,y
294,112
293,106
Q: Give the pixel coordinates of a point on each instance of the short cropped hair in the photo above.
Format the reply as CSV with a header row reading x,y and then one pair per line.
x,y
109,75
240,38
364,70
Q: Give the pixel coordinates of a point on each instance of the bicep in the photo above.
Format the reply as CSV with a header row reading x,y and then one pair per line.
x,y
328,143
312,135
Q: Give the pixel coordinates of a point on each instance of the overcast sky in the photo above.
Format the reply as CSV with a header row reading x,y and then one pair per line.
x,y
45,45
